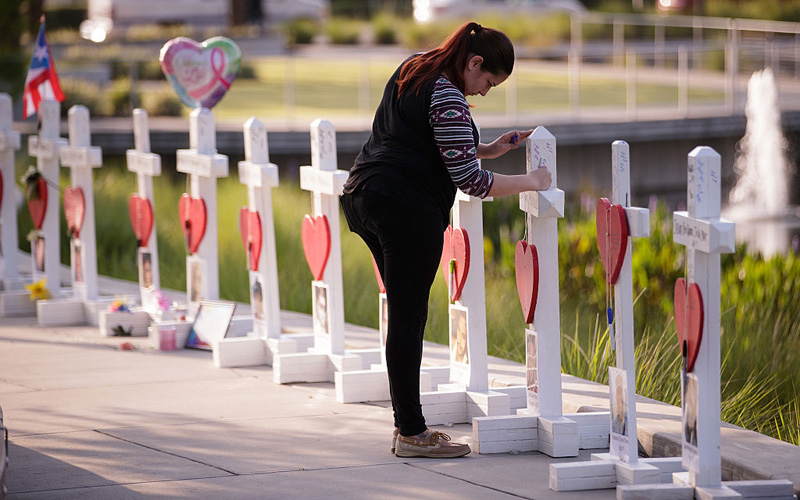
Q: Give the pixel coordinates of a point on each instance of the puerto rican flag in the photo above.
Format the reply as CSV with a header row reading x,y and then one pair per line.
x,y
42,81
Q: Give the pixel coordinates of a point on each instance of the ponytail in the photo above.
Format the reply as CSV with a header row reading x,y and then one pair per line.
x,y
452,55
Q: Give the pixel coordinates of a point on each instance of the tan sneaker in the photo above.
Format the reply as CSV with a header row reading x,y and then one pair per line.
x,y
430,444
395,433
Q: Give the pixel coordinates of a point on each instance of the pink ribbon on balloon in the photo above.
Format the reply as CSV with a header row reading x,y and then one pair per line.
x,y
217,66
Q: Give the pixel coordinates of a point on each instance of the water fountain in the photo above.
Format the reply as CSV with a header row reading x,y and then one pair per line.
x,y
759,202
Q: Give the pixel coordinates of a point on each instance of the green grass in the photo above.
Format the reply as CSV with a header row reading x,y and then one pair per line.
x,y
760,320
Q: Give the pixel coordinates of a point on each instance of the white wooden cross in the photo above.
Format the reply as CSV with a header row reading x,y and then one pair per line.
x,y
706,236
9,142
45,147
202,163
81,157
543,209
145,165
326,182
260,176
638,227
474,376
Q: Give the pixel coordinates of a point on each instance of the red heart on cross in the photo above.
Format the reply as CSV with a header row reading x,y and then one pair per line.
x,y
38,206
141,213
250,227
526,262
316,244
74,210
612,237
381,286
193,220
456,249
689,320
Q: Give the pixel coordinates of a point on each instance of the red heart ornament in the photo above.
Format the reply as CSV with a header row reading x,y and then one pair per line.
x,y
689,320
193,220
74,210
526,262
38,206
250,227
141,213
381,286
456,246
316,244
612,237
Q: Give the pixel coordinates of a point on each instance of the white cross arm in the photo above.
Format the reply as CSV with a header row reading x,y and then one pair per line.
x,y
9,140
258,175
81,156
323,181
543,204
46,149
462,196
143,163
707,235
638,222
204,165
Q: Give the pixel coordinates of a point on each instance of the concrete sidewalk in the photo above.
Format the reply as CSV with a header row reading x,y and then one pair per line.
x,y
90,421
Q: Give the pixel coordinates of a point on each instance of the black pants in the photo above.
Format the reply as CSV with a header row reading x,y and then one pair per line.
x,y
407,245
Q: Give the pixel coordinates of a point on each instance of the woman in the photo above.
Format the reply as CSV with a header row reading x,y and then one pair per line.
x,y
423,146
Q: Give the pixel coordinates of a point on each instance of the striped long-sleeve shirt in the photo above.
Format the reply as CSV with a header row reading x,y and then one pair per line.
x,y
452,130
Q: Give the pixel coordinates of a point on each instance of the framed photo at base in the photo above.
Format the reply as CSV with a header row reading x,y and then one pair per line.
x,y
257,305
532,371
618,398
195,282
321,308
76,258
38,251
459,344
210,324
689,399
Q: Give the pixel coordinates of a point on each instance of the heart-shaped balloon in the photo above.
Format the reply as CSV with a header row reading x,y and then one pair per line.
x,y
456,249
141,213
381,286
200,73
37,204
193,220
316,244
74,210
526,262
250,227
612,237
689,320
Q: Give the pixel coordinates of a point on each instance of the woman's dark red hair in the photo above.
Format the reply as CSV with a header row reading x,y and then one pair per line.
x,y
452,55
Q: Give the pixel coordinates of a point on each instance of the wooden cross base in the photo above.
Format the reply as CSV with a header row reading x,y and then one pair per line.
x,y
362,386
16,303
313,367
560,436
607,471
70,311
452,404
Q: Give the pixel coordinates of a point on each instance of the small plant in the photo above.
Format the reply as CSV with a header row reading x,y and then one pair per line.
x,y
162,102
122,98
384,27
81,92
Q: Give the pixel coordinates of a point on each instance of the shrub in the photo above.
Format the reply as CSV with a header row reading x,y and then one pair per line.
x,y
162,102
384,27
122,98
81,92
300,31
343,31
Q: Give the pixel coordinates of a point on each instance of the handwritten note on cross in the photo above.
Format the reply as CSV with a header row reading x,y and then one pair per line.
x,y
81,157
706,236
45,148
543,209
260,176
203,165
9,143
326,183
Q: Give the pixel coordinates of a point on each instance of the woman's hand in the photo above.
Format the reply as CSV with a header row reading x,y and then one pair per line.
x,y
506,142
540,179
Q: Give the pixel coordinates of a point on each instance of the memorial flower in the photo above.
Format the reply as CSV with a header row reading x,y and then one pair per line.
x,y
38,290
